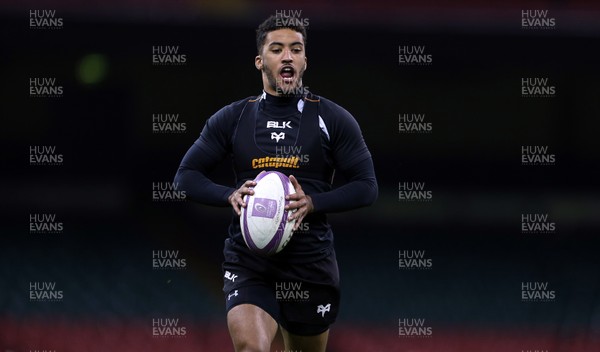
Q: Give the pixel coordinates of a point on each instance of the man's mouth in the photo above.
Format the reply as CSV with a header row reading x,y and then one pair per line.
x,y
287,74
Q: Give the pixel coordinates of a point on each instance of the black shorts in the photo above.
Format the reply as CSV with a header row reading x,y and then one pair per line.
x,y
302,298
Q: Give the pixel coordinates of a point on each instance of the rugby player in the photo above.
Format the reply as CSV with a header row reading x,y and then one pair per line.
x,y
285,128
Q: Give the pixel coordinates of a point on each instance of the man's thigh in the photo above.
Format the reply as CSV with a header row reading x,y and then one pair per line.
x,y
251,328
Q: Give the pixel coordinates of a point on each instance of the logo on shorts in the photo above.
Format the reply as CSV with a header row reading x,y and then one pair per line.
x,y
230,276
323,309
234,294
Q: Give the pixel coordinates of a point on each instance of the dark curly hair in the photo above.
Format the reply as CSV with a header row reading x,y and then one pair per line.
x,y
273,23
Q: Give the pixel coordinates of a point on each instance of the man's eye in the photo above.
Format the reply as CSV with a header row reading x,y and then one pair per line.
x,y
276,50
297,50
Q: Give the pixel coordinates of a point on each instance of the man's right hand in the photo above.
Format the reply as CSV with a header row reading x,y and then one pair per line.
x,y
236,199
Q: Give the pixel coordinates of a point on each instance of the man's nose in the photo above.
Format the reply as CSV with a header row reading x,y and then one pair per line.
x,y
287,56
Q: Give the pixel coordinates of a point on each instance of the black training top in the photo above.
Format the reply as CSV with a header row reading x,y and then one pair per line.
x,y
308,137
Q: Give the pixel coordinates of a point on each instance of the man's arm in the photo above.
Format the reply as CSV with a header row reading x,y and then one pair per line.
x,y
210,148
191,177
361,190
352,159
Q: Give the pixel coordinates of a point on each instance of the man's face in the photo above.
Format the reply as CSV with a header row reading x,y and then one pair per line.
x,y
282,62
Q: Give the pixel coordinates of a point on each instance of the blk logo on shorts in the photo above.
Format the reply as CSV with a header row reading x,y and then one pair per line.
x,y
323,309
230,276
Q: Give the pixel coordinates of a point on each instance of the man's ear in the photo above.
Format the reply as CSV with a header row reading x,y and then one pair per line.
x,y
258,62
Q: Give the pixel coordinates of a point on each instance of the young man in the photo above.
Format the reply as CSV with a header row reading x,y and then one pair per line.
x,y
290,130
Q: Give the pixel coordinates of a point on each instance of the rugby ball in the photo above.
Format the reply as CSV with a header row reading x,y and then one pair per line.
x,y
264,221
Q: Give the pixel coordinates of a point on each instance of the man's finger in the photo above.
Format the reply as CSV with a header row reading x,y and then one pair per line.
x,y
299,193
295,183
237,210
298,221
237,197
294,196
293,216
234,203
295,205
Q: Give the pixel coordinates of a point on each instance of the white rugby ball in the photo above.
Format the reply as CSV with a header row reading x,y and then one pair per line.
x,y
264,221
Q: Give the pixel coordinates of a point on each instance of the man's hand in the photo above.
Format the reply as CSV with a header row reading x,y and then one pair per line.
x,y
236,199
301,202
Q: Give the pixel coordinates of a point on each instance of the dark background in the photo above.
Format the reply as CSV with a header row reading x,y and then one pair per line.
x,y
471,162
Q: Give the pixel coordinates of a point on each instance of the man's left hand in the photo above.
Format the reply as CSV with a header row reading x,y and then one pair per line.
x,y
300,201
